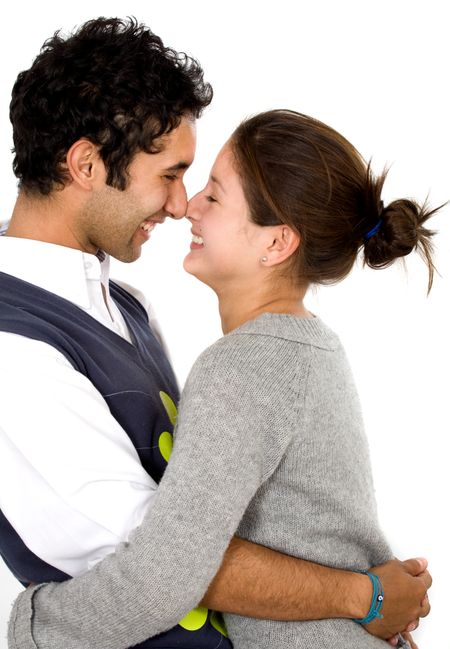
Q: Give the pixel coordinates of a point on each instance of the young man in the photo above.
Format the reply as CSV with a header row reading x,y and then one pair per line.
x,y
104,129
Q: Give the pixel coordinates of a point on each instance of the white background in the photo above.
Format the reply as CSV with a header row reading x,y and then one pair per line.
x,y
377,72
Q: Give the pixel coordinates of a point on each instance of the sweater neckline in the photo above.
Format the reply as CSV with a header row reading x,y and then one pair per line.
x,y
311,330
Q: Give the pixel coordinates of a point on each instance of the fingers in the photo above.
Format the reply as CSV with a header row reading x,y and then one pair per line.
x,y
408,637
412,626
415,566
400,640
425,606
426,578
394,640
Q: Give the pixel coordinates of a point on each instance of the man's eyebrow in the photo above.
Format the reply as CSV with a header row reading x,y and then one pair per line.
x,y
217,181
179,166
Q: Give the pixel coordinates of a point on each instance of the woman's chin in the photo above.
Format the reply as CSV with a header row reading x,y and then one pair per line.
x,y
191,267
188,265
196,272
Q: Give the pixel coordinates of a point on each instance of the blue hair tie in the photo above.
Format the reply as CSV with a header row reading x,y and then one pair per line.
x,y
374,230
377,600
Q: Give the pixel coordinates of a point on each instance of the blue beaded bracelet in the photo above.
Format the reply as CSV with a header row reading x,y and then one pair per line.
x,y
377,600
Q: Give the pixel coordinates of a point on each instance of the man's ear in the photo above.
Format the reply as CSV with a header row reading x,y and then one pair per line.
x,y
84,164
285,242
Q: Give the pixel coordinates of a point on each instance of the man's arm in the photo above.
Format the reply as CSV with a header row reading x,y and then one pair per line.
x,y
258,582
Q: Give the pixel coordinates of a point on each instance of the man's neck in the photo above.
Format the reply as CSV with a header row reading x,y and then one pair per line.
x,y
46,218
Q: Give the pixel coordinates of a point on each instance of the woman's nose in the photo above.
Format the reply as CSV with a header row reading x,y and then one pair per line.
x,y
192,211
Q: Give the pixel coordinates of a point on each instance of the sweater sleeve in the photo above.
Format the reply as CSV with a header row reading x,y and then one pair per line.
x,y
235,421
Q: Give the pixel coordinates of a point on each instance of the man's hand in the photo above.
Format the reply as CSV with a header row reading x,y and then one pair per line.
x,y
405,585
406,637
258,582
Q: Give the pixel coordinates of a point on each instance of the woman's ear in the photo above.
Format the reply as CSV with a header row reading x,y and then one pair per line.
x,y
285,242
84,164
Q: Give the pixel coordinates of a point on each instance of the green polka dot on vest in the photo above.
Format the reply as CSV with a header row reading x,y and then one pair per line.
x,y
165,444
194,620
169,406
218,623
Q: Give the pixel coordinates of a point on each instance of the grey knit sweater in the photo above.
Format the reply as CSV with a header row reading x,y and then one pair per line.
x,y
270,443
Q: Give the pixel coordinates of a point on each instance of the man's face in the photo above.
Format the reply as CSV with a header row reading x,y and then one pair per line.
x,y
119,222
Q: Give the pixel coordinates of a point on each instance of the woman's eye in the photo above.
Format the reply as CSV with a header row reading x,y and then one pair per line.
x,y
211,199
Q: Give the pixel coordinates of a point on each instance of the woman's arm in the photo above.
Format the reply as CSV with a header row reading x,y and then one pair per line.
x,y
258,582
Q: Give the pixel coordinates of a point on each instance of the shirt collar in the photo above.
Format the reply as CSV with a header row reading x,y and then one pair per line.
x,y
60,270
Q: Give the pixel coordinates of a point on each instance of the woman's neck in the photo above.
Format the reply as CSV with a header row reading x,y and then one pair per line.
x,y
236,309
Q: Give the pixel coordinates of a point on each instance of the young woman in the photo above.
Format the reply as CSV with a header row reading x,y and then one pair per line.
x,y
290,203
269,442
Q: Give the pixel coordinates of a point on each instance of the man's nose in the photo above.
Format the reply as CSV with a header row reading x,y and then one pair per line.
x,y
176,204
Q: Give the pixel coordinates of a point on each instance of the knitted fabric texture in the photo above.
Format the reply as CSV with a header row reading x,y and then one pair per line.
x,y
269,442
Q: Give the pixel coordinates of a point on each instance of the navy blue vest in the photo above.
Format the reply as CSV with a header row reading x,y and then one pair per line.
x,y
139,386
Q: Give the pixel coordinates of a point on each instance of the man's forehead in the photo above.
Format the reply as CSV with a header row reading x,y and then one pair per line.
x,y
179,146
179,166
186,130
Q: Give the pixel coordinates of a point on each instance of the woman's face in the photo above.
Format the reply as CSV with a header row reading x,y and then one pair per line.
x,y
226,246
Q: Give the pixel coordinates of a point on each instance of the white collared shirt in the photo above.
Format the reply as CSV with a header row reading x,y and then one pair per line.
x,y
71,482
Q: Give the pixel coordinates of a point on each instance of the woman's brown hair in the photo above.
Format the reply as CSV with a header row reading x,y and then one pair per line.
x,y
298,171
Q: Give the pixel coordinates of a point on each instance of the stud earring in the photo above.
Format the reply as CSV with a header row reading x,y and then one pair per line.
x,y
263,259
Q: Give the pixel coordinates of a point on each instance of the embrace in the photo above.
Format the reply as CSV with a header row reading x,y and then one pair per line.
x,y
131,515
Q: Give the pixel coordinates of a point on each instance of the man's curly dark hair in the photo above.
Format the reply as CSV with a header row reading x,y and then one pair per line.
x,y
112,82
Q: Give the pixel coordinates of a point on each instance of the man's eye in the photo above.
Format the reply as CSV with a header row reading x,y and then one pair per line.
x,y
170,177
